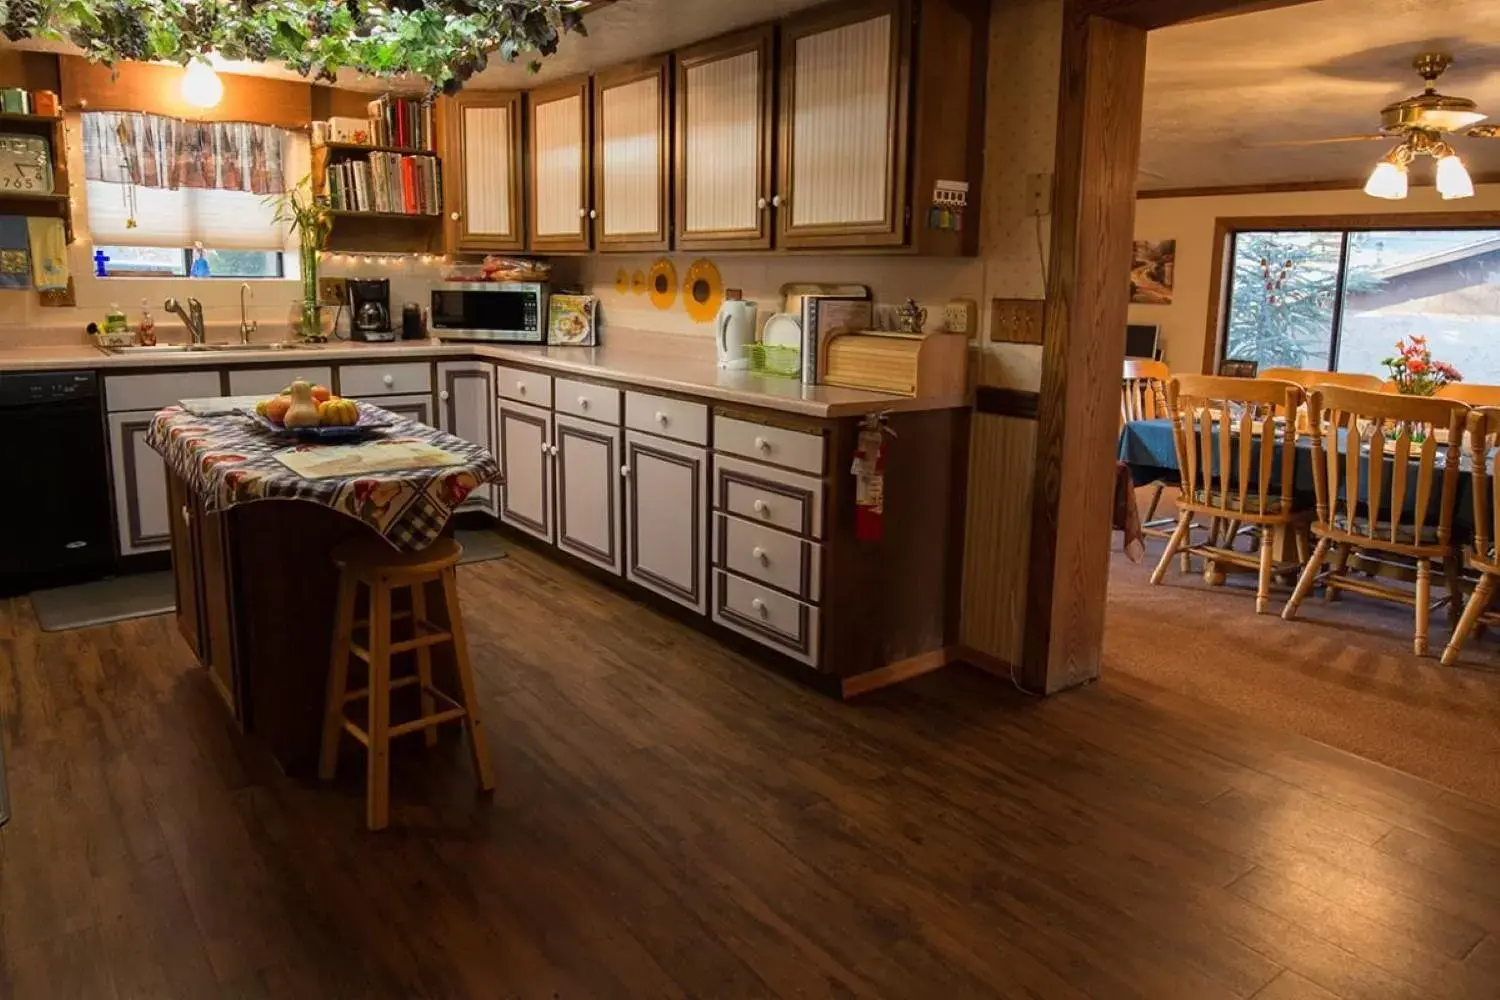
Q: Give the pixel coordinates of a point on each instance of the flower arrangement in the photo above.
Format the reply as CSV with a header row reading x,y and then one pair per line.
x,y
309,217
1414,371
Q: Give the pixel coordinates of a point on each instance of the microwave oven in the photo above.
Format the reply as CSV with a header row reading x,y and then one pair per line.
x,y
513,312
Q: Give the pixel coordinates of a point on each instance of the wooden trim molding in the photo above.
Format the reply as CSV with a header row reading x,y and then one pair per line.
x,y
895,673
1288,187
1002,402
133,86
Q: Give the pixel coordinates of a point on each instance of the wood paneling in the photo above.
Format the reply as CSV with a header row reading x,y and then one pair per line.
x,y
724,138
632,187
997,535
558,189
157,89
1098,144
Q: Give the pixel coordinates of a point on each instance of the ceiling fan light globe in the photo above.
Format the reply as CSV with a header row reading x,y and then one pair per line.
x,y
1453,180
1387,180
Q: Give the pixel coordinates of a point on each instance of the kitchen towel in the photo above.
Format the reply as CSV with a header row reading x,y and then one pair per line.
x,y
15,258
49,254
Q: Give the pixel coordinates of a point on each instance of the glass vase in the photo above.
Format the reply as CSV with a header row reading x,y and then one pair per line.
x,y
312,317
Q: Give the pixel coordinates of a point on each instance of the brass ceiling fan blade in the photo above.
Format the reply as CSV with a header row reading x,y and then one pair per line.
x,y
1374,136
1481,132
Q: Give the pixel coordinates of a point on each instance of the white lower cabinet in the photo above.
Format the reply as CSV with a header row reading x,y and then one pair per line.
x,y
418,408
142,517
666,518
586,466
466,409
524,435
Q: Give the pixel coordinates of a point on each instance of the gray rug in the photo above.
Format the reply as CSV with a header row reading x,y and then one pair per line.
x,y
104,601
479,545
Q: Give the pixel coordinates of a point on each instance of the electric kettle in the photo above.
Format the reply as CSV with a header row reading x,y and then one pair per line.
x,y
734,329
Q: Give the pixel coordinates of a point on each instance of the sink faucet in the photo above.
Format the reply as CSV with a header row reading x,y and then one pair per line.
x,y
192,319
247,325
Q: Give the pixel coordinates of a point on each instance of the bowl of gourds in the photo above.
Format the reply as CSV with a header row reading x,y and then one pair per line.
x,y
313,413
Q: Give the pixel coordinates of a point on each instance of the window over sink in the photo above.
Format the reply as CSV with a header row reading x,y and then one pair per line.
x,y
165,262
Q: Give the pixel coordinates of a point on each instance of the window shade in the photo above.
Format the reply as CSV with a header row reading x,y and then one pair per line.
x,y
184,182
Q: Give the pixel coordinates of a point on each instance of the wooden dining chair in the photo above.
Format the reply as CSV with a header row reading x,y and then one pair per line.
x,y
1366,503
1481,557
1309,378
1226,430
1143,396
1468,392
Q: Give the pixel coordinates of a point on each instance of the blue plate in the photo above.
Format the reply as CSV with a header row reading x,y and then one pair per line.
x,y
368,424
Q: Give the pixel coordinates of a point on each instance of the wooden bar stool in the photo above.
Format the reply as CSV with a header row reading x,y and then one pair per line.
x,y
373,563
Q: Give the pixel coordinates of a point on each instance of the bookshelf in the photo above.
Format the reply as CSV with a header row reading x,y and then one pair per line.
x,y
53,205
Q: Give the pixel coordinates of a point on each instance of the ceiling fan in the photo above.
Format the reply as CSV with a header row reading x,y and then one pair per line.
x,y
1420,122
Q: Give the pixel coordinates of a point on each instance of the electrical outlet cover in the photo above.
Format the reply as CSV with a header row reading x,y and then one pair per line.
x,y
333,291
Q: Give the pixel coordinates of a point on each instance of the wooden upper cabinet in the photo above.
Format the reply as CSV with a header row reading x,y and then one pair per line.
x,y
844,110
482,155
724,138
560,207
632,189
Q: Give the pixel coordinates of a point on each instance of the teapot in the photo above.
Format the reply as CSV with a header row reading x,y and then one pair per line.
x,y
910,317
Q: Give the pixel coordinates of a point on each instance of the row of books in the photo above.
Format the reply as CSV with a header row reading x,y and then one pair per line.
x,y
402,121
387,182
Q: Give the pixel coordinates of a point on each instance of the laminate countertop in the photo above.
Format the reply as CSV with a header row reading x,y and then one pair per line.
x,y
688,371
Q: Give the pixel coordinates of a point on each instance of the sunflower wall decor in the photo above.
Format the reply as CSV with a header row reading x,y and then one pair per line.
x,y
703,290
663,284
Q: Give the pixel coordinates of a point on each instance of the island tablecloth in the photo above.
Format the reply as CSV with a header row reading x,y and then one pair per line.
x,y
231,460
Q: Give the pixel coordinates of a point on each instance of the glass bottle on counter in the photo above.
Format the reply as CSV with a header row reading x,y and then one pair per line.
x,y
145,333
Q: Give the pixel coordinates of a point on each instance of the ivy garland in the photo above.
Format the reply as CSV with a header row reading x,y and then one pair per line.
x,y
442,41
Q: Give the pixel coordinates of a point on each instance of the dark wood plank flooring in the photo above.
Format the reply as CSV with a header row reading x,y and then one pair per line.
x,y
673,821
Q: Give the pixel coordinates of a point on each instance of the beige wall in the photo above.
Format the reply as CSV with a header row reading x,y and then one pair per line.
x,y
1190,221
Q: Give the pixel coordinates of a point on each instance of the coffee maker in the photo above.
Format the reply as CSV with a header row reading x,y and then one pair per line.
x,y
370,309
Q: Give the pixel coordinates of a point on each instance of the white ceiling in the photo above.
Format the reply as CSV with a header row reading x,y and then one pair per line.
x,y
1218,91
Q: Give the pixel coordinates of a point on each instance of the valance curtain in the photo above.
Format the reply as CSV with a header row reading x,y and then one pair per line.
x,y
183,182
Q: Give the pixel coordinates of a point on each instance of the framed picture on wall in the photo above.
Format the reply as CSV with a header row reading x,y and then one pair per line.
x,y
1151,267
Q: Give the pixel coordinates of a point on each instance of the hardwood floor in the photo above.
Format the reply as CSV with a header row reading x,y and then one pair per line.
x,y
673,821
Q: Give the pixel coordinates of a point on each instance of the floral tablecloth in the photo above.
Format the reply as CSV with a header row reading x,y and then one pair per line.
x,y
230,460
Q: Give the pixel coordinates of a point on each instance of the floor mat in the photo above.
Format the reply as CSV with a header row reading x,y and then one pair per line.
x,y
103,601
479,545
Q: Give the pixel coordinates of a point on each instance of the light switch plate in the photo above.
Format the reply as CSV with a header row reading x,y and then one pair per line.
x,y
1016,321
333,291
962,316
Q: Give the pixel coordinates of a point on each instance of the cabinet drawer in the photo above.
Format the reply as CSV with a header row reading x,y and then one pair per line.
x,y
584,399
523,386
777,445
767,495
270,381
667,417
152,392
773,557
778,621
358,381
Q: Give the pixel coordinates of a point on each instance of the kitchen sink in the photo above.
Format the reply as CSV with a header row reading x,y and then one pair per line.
x,y
157,349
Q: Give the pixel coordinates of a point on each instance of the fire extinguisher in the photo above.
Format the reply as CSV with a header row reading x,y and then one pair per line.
x,y
869,478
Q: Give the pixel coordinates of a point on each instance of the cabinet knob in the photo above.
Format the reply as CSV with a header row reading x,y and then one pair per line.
x,y
544,448
759,606
760,556
593,214
553,450
761,204
583,213
388,379
661,418
776,201
761,508
625,471
443,395
520,388
583,402
761,444
454,216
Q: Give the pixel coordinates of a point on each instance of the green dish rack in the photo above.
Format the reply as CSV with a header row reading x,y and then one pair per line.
x,y
773,359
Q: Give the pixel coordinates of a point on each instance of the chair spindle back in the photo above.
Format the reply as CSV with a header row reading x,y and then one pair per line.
x,y
1484,438
1143,390
1241,472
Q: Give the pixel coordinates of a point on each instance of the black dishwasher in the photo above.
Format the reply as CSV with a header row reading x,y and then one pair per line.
x,y
54,481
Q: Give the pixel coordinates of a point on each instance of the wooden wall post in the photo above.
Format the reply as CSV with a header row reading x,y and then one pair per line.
x,y
1098,146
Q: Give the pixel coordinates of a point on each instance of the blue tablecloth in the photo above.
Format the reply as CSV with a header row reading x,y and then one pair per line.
x,y
1146,446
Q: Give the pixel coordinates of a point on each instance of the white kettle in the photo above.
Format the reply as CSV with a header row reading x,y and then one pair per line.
x,y
734,329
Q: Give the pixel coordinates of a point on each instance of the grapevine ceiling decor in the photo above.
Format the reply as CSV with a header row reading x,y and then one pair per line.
x,y
443,41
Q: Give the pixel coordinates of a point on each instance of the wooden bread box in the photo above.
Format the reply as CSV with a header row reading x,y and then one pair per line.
x,y
906,364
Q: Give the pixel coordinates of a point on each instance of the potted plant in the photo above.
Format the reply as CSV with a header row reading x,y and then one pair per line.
x,y
1414,372
309,217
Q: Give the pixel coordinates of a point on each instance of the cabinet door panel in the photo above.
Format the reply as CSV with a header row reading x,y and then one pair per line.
x,y
483,157
412,407
724,143
666,518
142,508
844,123
560,167
586,464
525,436
630,157
466,397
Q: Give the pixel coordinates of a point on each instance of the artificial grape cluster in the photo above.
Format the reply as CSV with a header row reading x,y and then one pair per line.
x,y
20,17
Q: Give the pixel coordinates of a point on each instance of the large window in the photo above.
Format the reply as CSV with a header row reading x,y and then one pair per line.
x,y
1341,300
162,262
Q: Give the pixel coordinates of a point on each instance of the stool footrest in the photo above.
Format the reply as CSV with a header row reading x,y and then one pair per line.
x,y
427,722
359,694
428,634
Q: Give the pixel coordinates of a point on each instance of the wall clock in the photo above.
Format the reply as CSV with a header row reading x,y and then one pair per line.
x,y
25,164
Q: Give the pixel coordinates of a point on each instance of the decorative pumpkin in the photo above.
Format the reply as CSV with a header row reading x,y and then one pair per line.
x,y
274,409
303,411
338,412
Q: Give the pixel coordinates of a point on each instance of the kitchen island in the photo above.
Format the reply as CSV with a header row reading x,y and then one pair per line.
x,y
258,518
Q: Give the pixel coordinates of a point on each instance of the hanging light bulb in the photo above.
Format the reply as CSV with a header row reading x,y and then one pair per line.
x,y
1453,181
1387,180
201,86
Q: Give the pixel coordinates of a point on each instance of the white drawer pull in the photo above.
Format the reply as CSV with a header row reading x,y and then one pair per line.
x,y
625,471
388,379
443,395
661,418
760,556
762,508
760,607
553,450
761,444
583,402
521,388
544,447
